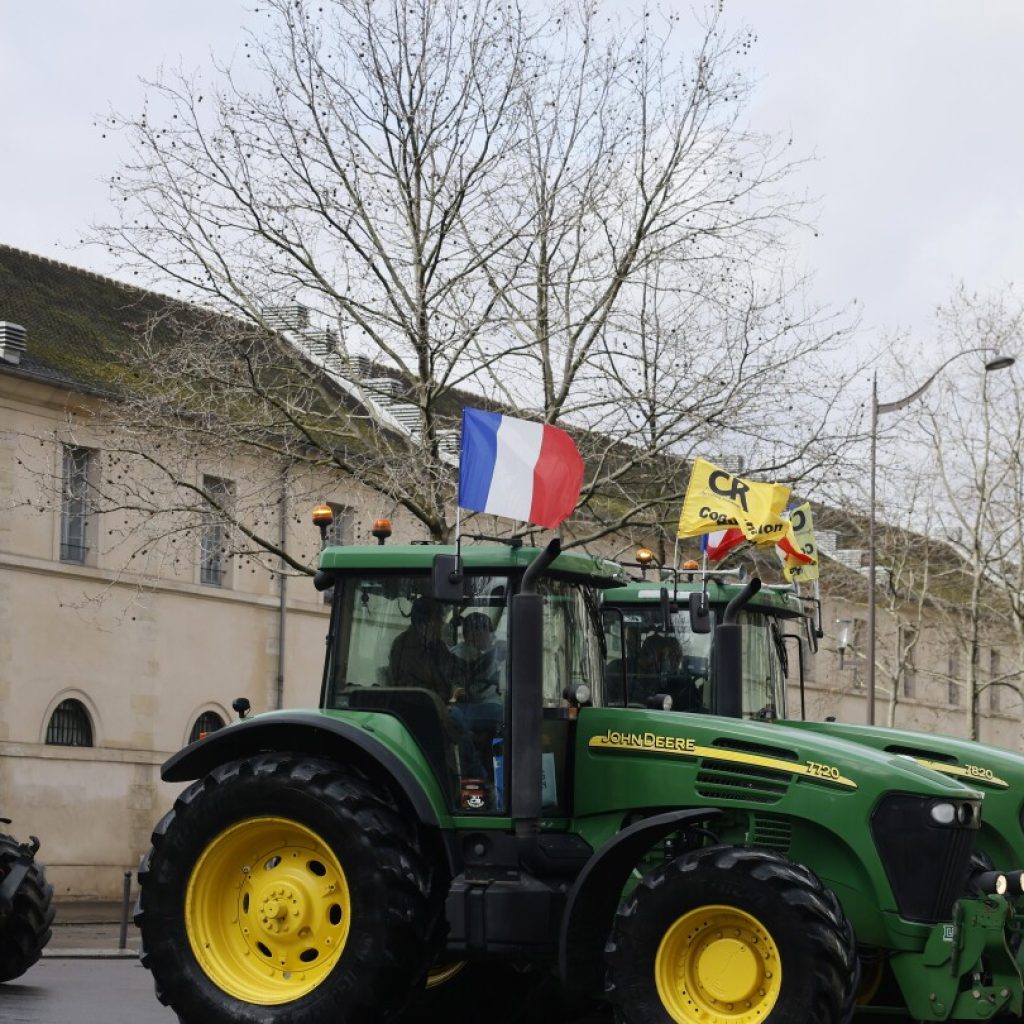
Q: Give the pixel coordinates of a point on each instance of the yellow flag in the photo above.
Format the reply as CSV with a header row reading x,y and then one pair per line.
x,y
716,500
802,540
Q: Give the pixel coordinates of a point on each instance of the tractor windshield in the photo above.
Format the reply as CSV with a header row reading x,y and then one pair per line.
x,y
443,669
681,665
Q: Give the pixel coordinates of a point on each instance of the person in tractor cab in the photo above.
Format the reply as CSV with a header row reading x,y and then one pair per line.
x,y
479,703
419,656
660,670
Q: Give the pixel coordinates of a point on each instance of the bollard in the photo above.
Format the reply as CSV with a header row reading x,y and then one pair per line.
x,y
122,942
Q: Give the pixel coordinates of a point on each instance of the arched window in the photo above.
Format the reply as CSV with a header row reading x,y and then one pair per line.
x,y
208,721
70,725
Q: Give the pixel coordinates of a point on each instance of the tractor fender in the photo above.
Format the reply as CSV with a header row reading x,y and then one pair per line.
x,y
308,733
597,891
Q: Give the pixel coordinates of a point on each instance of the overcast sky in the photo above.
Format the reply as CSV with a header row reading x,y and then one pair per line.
x,y
912,109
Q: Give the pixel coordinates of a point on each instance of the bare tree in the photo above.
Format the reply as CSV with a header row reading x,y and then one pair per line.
x,y
400,204
971,423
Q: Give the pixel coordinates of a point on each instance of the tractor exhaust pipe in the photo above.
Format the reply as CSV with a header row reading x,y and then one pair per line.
x,y
526,694
729,655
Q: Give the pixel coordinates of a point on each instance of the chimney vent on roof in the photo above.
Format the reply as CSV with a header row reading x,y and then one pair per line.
x,y
286,318
12,342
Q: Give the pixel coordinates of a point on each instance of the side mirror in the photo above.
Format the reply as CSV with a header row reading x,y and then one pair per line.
x,y
241,706
700,613
447,581
323,579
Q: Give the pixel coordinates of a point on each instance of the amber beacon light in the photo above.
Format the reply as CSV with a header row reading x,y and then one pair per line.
x,y
323,517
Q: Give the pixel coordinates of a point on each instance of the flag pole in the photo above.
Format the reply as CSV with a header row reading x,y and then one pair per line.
x,y
458,531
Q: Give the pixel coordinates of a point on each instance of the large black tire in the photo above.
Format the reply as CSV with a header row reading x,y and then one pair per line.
x,y
27,929
387,897
687,909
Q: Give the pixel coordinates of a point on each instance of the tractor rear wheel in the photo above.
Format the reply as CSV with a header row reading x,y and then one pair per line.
x,y
730,935
26,929
286,888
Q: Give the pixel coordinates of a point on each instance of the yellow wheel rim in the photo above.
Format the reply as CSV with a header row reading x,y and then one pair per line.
x,y
870,982
718,965
267,911
441,973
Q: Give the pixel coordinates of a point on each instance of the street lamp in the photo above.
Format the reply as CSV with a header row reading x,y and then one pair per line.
x,y
997,362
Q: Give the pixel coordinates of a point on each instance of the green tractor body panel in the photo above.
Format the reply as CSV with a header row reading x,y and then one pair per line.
x,y
995,772
776,790
367,738
407,558
647,593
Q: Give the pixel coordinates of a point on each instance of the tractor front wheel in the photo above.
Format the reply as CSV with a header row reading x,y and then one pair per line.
x,y
730,935
286,888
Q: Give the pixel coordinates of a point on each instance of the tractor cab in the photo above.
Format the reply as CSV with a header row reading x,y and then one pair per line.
x,y
653,647
442,662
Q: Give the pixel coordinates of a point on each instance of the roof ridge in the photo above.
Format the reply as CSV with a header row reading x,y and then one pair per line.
x,y
95,275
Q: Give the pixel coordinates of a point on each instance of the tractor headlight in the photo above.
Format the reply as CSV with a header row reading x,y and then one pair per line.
x,y
967,814
943,813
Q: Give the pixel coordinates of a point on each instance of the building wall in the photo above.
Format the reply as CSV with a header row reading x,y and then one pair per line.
x,y
144,658
837,683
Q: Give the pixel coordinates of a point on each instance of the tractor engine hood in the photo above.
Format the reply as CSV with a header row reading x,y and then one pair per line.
x,y
829,761
994,771
904,831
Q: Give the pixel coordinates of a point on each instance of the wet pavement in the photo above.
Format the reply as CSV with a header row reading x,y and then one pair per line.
x,y
78,991
84,978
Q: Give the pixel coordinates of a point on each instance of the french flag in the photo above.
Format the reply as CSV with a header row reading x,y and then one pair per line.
x,y
718,544
515,468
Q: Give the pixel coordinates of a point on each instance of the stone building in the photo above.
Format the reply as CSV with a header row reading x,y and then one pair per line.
x,y
113,656
106,669
924,647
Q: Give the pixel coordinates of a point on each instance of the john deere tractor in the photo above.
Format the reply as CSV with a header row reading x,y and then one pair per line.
x,y
470,807
26,906
776,620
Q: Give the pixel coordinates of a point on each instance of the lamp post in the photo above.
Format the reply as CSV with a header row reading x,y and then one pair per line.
x,y
997,362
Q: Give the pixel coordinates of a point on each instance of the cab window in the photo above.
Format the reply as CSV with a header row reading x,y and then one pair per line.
x,y
442,669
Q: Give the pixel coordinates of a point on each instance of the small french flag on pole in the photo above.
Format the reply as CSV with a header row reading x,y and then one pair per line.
x,y
718,544
515,468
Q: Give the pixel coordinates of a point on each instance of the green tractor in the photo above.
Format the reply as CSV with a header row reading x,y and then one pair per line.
x,y
471,808
776,621
26,906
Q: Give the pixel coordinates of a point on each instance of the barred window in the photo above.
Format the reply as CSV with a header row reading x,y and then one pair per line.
x,y
953,674
994,672
908,637
338,533
214,562
207,722
74,506
70,725
851,659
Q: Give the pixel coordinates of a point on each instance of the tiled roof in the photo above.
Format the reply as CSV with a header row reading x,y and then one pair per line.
x,y
76,322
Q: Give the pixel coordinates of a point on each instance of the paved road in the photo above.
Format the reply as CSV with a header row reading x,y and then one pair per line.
x,y
83,992
58,991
